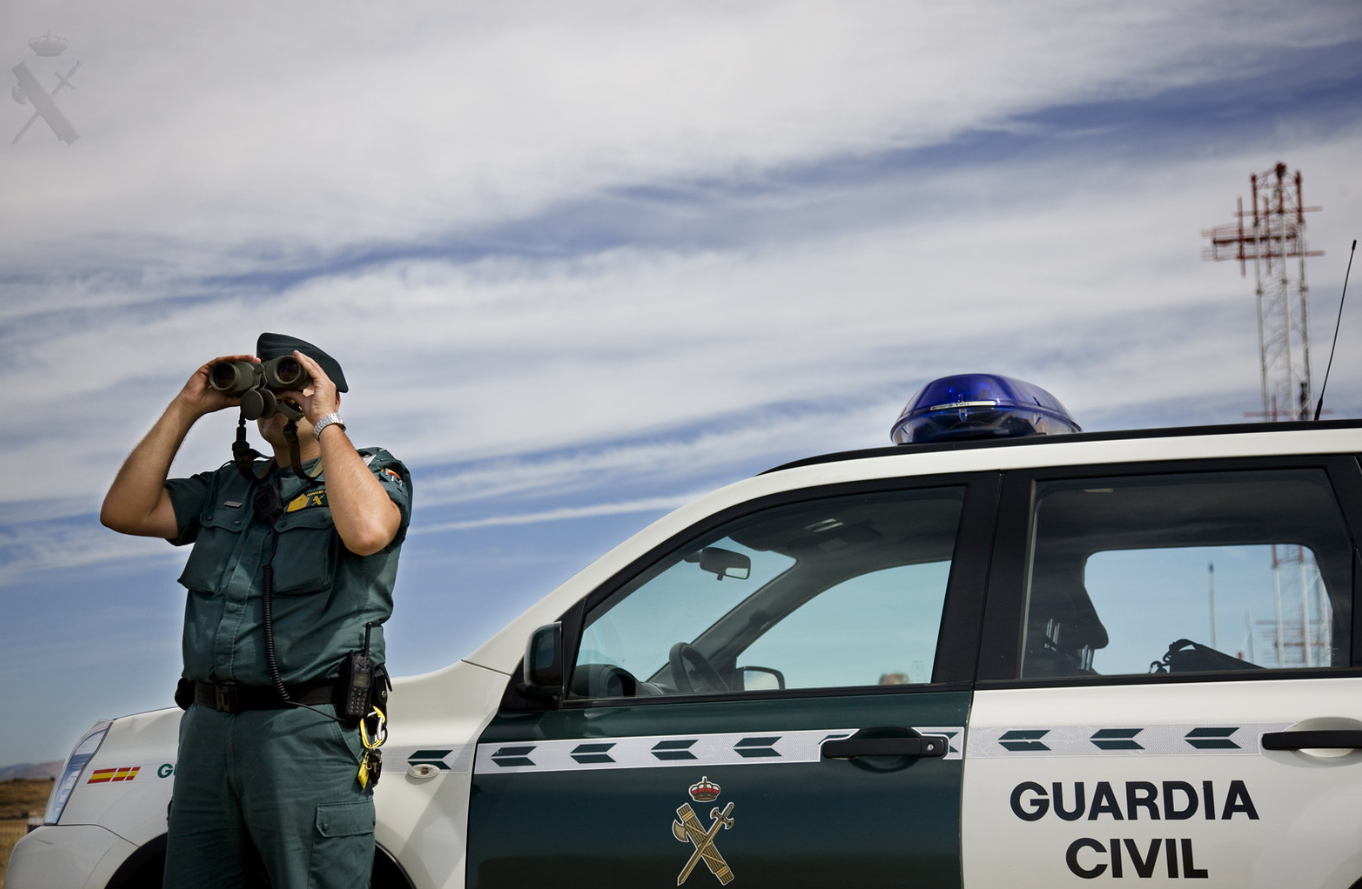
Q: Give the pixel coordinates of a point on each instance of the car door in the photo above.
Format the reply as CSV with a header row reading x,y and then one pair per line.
x,y
1170,686
776,697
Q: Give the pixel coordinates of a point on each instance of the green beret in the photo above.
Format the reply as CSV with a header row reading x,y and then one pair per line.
x,y
278,345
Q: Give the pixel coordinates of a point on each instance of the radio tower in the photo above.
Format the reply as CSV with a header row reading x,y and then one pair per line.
x,y
1274,240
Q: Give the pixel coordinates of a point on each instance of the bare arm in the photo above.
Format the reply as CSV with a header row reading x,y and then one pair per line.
x,y
137,502
366,518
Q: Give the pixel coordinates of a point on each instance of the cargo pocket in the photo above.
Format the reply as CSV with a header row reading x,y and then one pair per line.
x,y
305,553
343,845
219,533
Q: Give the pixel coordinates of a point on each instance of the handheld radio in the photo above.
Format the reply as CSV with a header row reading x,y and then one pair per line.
x,y
359,680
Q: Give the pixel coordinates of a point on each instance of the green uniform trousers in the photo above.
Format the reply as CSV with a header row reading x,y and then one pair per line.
x,y
269,788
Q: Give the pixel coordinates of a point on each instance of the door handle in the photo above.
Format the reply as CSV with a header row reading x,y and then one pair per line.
x,y
1323,738
930,745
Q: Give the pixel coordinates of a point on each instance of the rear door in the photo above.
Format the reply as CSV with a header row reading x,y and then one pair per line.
x,y
775,698
1169,651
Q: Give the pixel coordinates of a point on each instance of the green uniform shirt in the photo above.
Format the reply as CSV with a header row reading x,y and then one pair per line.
x,y
323,593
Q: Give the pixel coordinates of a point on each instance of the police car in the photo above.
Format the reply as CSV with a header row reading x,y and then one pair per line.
x,y
1000,652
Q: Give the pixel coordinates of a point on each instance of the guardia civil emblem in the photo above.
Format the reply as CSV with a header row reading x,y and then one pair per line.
x,y
688,828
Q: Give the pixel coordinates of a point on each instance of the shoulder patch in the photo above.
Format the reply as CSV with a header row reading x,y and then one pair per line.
x,y
306,499
392,475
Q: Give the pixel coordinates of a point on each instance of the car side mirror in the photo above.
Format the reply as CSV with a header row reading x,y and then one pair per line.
x,y
722,562
543,670
761,679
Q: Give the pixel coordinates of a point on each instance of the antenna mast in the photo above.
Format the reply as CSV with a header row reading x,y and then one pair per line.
x,y
1271,235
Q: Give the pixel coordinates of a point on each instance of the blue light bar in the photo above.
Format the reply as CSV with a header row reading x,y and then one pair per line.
x,y
974,406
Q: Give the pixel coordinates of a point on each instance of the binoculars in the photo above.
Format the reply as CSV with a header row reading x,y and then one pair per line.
x,y
255,382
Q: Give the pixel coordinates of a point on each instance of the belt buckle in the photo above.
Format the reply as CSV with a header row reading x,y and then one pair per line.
x,y
225,698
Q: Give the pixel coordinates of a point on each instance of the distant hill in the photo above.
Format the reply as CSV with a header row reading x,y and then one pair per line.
x,y
31,771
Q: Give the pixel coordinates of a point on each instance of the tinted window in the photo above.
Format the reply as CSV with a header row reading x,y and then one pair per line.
x,y
1187,573
831,593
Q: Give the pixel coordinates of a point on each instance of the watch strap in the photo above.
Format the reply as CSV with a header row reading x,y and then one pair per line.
x,y
327,421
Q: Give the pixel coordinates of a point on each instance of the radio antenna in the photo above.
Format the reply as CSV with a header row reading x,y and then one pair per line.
x,y
1319,407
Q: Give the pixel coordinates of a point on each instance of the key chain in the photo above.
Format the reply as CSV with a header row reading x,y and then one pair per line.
x,y
372,764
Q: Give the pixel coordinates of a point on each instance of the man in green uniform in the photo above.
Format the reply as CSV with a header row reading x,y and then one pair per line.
x,y
261,781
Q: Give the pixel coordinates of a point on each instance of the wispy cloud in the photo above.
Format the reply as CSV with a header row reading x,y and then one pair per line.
x,y
28,551
517,356
650,504
377,129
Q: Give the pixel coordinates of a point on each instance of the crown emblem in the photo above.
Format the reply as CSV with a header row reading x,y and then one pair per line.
x,y
47,45
704,791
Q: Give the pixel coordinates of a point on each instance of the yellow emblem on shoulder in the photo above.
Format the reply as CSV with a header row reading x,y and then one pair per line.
x,y
309,498
689,828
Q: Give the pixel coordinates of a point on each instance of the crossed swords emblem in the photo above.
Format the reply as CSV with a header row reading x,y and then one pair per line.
x,y
690,828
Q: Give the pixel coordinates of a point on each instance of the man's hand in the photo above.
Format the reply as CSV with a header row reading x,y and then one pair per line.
x,y
318,398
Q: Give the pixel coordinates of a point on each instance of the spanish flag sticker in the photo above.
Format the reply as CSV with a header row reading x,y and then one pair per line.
x,y
106,776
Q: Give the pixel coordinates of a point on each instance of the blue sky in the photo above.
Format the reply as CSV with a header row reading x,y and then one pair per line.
x,y
584,261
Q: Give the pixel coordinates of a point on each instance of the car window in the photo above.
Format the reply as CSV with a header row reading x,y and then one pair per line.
x,y
679,603
835,592
874,629
1187,573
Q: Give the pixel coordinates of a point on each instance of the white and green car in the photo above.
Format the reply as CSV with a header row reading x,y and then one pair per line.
x,y
985,657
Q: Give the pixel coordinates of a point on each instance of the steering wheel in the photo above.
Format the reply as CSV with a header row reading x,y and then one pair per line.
x,y
681,653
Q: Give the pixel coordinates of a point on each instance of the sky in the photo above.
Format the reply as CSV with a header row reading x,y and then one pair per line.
x,y
584,261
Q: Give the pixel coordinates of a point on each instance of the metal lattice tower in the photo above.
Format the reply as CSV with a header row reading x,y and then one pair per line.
x,y
1274,240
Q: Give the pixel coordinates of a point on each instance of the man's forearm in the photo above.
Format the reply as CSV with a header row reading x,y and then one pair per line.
x,y
137,502
366,519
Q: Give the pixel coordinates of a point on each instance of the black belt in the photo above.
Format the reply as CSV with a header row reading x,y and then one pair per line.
x,y
233,698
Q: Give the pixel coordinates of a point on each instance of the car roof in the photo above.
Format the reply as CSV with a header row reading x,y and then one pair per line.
x,y
1281,432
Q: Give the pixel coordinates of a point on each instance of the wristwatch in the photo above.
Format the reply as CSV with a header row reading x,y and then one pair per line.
x,y
327,421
